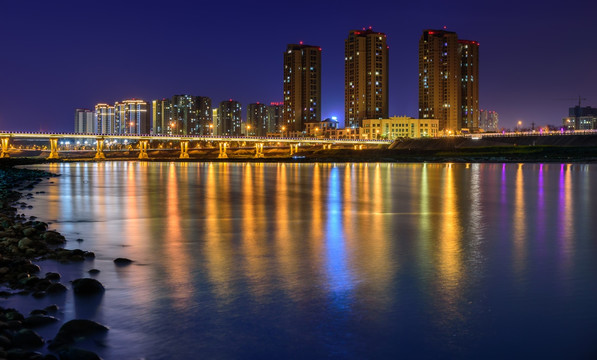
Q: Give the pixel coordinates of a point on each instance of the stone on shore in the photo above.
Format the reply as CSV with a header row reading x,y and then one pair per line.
x,y
27,339
87,286
78,354
55,288
75,329
122,261
34,321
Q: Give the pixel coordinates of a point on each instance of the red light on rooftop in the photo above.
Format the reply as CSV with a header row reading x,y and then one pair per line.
x,y
431,32
445,27
370,27
300,43
319,49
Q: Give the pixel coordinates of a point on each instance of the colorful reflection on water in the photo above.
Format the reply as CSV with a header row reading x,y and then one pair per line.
x,y
336,260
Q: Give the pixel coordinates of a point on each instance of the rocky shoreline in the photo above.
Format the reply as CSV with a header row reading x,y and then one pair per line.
x,y
22,242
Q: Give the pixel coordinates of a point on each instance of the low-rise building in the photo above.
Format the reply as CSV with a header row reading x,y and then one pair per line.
x,y
399,126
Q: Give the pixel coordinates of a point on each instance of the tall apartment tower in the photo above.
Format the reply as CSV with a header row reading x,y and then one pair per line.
x,y
161,116
204,117
131,117
469,76
365,77
84,123
229,116
104,119
449,80
439,79
302,86
257,119
275,112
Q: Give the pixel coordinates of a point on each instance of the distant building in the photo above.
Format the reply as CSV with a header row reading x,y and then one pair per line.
x,y
131,117
104,119
488,120
229,118
214,127
274,116
84,122
581,118
257,123
401,126
365,77
161,115
448,80
302,85
469,81
182,115
321,127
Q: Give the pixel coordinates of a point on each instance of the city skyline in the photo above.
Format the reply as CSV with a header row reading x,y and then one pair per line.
x,y
40,62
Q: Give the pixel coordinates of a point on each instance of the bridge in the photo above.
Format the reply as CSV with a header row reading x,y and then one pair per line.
x,y
144,141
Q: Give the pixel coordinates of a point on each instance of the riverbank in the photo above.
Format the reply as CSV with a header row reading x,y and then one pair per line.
x,y
23,242
419,152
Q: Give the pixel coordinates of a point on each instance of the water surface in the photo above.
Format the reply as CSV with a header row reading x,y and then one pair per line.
x,y
331,260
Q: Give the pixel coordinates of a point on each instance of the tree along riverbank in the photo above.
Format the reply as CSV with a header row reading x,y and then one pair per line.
x,y
24,240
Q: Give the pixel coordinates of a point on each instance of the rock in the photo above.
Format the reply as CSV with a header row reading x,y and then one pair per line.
x,y
53,237
38,312
75,329
25,243
30,231
34,321
4,342
23,354
79,240
27,339
56,288
87,286
94,271
122,261
51,308
52,276
78,354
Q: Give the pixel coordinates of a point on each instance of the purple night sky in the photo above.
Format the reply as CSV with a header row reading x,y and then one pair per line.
x,y
60,55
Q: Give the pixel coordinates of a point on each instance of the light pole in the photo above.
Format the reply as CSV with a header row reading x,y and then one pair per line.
x,y
519,125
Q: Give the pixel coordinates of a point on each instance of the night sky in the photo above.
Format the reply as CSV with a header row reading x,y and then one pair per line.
x,y
60,55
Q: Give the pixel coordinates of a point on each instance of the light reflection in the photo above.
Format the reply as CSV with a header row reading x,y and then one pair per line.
x,y
519,223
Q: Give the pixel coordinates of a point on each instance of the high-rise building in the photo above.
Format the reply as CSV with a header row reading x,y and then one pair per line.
x,y
182,115
131,117
215,127
469,81
84,123
161,114
365,77
104,119
488,120
449,80
257,119
439,79
275,112
302,85
204,117
229,116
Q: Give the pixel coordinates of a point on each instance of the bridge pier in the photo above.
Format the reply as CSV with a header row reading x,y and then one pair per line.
x,y
327,146
293,149
143,149
53,149
99,152
222,154
358,147
258,150
184,149
5,144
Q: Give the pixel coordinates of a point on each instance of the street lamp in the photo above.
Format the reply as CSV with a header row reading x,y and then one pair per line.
x,y
283,130
211,129
248,129
519,125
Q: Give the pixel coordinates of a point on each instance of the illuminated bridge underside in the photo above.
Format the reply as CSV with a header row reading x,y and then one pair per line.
x,y
196,138
143,142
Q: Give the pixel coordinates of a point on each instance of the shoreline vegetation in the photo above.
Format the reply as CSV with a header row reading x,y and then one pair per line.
x,y
24,241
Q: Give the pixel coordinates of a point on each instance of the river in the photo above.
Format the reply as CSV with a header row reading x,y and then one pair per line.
x,y
250,260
